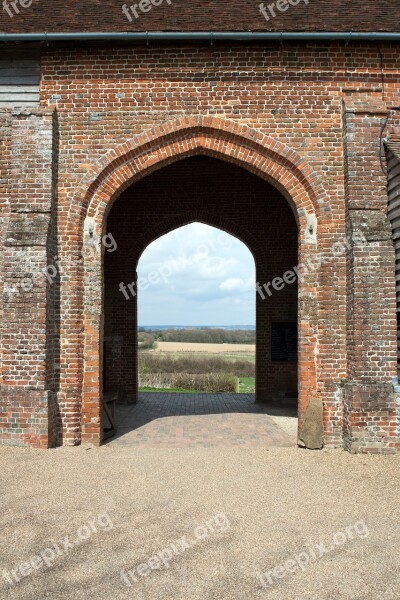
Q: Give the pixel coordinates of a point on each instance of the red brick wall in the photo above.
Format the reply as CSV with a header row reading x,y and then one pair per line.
x,y
370,404
27,393
278,111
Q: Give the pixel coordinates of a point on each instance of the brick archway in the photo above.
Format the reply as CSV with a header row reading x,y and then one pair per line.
x,y
270,159
221,195
82,308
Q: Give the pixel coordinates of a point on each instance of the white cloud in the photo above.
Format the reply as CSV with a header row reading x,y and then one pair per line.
x,y
238,284
207,277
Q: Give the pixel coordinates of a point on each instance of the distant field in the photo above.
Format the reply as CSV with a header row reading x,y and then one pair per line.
x,y
178,366
231,357
247,349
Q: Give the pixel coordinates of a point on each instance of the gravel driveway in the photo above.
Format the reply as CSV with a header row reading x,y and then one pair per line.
x,y
221,523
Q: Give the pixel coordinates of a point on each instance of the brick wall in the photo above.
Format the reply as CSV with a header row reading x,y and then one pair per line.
x,y
370,408
276,110
26,397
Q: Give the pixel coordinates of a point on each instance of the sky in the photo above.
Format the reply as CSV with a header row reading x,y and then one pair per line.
x,y
196,275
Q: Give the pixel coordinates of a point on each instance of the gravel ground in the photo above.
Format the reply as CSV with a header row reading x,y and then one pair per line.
x,y
283,417
202,523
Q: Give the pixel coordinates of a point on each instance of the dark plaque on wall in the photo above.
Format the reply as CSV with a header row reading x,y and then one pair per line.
x,y
284,342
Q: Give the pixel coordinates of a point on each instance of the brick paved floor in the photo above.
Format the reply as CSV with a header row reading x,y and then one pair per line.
x,y
189,420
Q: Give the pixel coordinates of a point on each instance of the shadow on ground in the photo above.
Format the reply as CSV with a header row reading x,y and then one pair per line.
x,y
204,419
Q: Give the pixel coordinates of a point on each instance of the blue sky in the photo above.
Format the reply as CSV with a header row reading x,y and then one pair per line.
x,y
196,275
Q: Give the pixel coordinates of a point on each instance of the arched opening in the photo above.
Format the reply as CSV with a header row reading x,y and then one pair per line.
x,y
220,194
196,313
83,306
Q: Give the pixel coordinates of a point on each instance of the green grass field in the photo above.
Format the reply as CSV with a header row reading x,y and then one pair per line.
x,y
247,385
169,363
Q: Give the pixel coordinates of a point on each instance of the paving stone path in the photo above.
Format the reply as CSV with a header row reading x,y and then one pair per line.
x,y
206,420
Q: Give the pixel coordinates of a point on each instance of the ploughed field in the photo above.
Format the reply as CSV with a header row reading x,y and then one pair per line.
x,y
197,367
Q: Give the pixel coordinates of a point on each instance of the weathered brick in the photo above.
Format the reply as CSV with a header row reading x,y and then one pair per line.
x,y
304,119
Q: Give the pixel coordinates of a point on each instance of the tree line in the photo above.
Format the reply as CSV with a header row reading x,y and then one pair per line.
x,y
204,335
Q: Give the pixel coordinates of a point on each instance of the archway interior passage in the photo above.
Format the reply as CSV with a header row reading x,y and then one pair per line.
x,y
222,195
